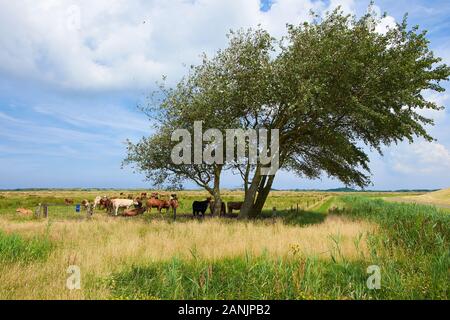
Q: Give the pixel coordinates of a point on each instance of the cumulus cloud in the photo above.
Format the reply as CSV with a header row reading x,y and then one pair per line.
x,y
120,45
422,158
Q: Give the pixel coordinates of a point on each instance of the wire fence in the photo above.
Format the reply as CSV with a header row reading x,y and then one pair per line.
x,y
76,211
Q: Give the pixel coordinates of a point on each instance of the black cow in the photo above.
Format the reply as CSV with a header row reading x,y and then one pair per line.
x,y
200,207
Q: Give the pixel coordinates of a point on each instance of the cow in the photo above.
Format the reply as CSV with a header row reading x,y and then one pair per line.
x,y
200,206
130,196
107,204
144,195
173,202
85,203
234,206
139,209
133,212
121,203
68,201
154,202
223,210
97,201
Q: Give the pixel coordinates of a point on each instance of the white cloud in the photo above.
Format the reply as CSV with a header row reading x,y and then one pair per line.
x,y
385,24
110,116
421,158
115,45
441,100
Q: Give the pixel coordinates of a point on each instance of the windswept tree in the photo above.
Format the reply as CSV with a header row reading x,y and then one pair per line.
x,y
331,87
339,85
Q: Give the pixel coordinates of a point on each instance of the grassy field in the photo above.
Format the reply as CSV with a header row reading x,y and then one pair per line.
x,y
440,198
320,251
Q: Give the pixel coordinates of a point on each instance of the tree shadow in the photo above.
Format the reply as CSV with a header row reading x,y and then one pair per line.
x,y
300,218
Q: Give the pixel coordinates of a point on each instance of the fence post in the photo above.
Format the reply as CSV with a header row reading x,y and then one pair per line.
x,y
37,212
89,211
45,210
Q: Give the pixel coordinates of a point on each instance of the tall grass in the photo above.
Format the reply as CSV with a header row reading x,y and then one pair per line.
x,y
14,248
412,227
412,247
286,255
242,278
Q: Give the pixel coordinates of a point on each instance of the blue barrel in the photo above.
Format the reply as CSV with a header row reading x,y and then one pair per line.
x,y
78,208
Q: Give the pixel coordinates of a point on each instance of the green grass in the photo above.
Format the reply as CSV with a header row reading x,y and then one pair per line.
x,y
282,201
412,227
14,248
242,278
411,248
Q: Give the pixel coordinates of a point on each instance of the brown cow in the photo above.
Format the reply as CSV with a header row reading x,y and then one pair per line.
x,y
154,202
107,204
174,202
234,206
25,212
85,203
134,212
68,201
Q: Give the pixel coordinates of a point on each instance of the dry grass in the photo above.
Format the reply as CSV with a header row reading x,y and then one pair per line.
x,y
104,245
440,198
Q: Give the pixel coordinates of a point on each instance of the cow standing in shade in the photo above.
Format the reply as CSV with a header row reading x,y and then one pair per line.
x,y
200,207
234,206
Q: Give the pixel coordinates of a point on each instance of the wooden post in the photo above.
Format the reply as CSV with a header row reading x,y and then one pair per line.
x,y
297,208
38,211
45,210
274,211
89,210
174,214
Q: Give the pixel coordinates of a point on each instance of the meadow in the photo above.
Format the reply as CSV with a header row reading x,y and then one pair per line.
x,y
320,251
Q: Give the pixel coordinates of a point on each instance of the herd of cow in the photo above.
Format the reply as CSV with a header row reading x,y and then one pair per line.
x,y
142,204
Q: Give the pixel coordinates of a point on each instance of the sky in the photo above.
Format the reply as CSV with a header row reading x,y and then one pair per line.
x,y
72,74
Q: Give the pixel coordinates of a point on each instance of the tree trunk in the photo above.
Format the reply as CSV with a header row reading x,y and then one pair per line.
x,y
256,195
216,192
262,197
250,196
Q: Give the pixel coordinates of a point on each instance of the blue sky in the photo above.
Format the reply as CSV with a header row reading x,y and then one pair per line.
x,y
72,73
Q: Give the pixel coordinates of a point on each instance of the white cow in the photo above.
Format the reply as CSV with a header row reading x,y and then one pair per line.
x,y
122,203
97,201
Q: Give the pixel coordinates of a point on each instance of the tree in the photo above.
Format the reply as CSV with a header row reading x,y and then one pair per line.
x,y
339,85
331,87
212,93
